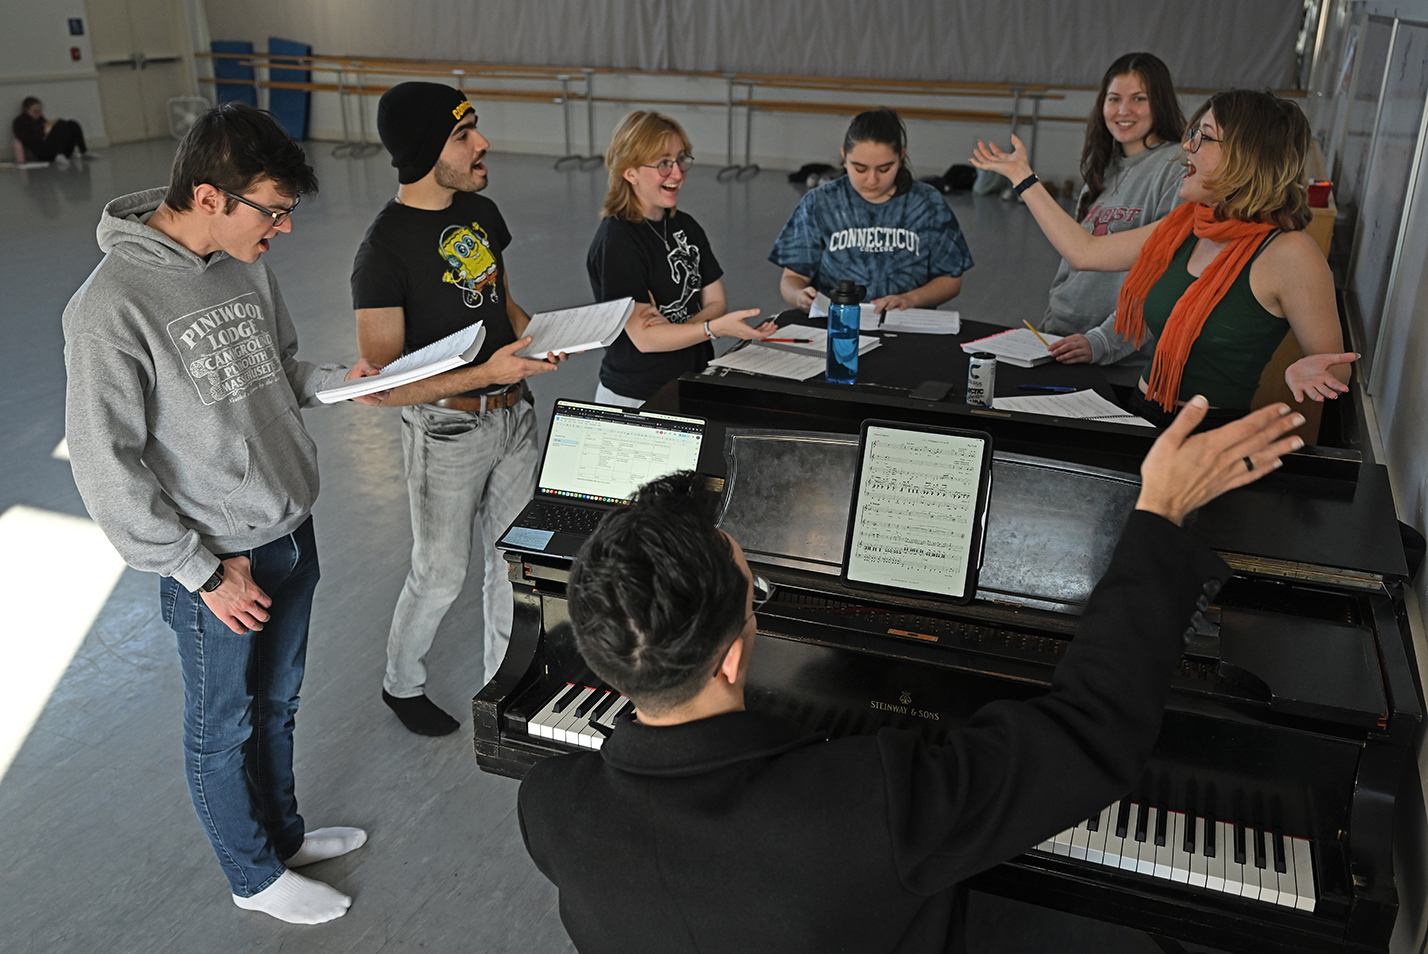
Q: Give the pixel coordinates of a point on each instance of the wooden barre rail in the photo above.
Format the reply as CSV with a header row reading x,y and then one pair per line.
x,y
458,72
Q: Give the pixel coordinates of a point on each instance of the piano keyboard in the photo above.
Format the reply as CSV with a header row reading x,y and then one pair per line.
x,y
578,715
1218,856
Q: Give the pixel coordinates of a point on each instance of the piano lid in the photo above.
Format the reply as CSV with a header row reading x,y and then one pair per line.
x,y
1051,527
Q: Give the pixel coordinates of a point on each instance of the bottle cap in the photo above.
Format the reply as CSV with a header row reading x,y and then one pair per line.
x,y
847,292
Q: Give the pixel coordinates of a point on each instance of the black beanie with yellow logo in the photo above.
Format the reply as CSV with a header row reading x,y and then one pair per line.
x,y
414,121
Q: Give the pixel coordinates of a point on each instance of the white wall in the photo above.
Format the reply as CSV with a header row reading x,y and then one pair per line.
x,y
35,61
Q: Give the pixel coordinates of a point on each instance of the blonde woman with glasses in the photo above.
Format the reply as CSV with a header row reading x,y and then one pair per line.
x,y
1219,280
649,250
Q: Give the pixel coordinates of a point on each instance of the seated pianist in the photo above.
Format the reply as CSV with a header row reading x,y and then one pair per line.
x,y
699,826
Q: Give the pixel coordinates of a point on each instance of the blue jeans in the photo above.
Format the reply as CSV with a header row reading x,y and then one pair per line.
x,y
240,698
468,476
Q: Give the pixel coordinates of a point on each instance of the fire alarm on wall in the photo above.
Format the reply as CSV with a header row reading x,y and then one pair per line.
x,y
74,53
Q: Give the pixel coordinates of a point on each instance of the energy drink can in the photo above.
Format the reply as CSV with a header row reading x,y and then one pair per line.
x,y
981,379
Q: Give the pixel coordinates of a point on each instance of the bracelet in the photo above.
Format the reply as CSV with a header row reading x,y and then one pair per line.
x,y
1025,184
707,333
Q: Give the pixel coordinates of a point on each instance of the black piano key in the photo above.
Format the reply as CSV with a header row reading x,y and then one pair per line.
x,y
1239,843
589,703
1280,864
1259,858
1123,818
1094,823
1209,836
1188,843
1161,817
1142,821
568,697
604,706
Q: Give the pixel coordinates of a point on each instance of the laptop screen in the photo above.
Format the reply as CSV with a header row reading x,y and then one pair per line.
x,y
603,453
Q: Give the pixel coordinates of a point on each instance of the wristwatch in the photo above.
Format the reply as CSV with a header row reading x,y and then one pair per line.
x,y
707,333
214,581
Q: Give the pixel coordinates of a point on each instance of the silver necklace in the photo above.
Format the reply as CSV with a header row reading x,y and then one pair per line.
x,y
663,238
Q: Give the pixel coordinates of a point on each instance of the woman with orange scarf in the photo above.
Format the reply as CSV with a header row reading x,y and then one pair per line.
x,y
1219,279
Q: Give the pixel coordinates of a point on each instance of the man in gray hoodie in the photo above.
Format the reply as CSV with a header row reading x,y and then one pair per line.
x,y
189,450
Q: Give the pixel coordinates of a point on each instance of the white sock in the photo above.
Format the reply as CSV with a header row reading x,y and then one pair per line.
x,y
297,900
324,843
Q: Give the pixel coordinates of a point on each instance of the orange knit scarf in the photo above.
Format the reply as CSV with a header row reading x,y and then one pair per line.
x,y
1189,314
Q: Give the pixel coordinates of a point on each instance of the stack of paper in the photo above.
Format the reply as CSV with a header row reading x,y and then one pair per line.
x,y
577,329
450,352
1018,346
796,362
1081,405
917,321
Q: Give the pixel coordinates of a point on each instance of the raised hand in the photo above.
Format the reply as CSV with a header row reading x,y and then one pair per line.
x,y
1014,165
1184,471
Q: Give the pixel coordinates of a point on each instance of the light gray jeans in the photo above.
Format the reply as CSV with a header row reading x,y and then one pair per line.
x,y
468,476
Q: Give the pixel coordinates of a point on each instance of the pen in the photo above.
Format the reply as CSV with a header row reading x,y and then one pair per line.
x,y
882,316
789,340
1042,387
1038,334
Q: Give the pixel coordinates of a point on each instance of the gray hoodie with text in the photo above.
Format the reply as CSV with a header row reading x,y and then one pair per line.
x,y
181,408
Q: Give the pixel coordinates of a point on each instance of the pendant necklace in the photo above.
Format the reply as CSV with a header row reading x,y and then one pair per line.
x,y
663,238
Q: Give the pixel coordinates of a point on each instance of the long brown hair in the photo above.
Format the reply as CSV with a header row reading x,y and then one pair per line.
x,y
1167,122
1264,141
638,140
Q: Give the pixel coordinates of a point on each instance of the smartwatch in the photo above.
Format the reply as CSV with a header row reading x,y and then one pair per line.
x,y
214,581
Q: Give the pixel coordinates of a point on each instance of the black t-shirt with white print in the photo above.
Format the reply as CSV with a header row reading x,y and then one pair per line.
x,y
670,260
443,267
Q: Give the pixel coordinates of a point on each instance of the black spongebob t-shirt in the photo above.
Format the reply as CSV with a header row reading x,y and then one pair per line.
x,y
443,268
671,261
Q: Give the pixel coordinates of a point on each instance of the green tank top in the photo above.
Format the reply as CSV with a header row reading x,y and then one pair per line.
x,y
1233,347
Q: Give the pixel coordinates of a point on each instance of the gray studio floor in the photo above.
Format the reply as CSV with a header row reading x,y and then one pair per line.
x,y
102,851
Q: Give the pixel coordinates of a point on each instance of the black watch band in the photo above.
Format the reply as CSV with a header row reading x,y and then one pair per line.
x,y
214,581
1025,184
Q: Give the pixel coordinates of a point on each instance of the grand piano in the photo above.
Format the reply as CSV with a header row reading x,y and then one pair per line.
x,y
1264,819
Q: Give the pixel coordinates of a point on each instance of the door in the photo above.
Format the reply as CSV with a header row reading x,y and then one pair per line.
x,y
142,55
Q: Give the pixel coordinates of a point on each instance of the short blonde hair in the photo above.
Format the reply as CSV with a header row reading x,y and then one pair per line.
x,y
638,140
1265,141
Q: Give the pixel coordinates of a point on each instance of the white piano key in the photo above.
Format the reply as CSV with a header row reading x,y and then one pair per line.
x,y
1130,848
1234,870
1199,864
1061,843
1080,835
1287,895
586,735
1113,852
1161,858
1179,860
1096,842
614,712
1215,864
1250,887
539,724
1268,877
1305,893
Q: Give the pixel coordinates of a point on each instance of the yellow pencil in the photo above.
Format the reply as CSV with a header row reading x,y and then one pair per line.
x,y
1037,333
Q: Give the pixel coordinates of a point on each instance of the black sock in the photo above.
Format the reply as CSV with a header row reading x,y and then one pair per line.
x,y
421,715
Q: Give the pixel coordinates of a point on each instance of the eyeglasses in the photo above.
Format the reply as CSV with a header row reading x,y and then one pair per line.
x,y
279,216
1197,135
763,591
665,167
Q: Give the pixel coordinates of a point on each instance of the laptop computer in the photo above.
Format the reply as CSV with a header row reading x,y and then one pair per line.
x,y
596,457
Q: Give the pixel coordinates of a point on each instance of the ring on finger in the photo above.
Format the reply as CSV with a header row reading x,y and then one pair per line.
x,y
1249,464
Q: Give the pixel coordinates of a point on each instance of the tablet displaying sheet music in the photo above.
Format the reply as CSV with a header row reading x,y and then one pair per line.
x,y
919,510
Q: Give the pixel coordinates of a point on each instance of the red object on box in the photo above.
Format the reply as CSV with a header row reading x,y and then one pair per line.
x,y
1319,193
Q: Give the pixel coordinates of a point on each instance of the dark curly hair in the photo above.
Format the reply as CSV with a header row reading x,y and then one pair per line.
x,y
885,127
232,146
656,596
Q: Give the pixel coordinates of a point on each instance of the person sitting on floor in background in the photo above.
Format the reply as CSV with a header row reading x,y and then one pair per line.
x,y
700,826
48,140
1132,176
874,226
648,250
1220,280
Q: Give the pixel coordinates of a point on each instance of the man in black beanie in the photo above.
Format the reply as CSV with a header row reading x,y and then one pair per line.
x,y
430,265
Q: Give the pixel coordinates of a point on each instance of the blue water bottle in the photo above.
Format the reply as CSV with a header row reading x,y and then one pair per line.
x,y
844,323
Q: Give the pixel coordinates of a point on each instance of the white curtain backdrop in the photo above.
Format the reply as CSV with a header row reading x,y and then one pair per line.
x,y
1209,43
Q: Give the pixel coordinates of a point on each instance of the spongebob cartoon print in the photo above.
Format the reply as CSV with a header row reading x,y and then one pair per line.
x,y
473,267
684,271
